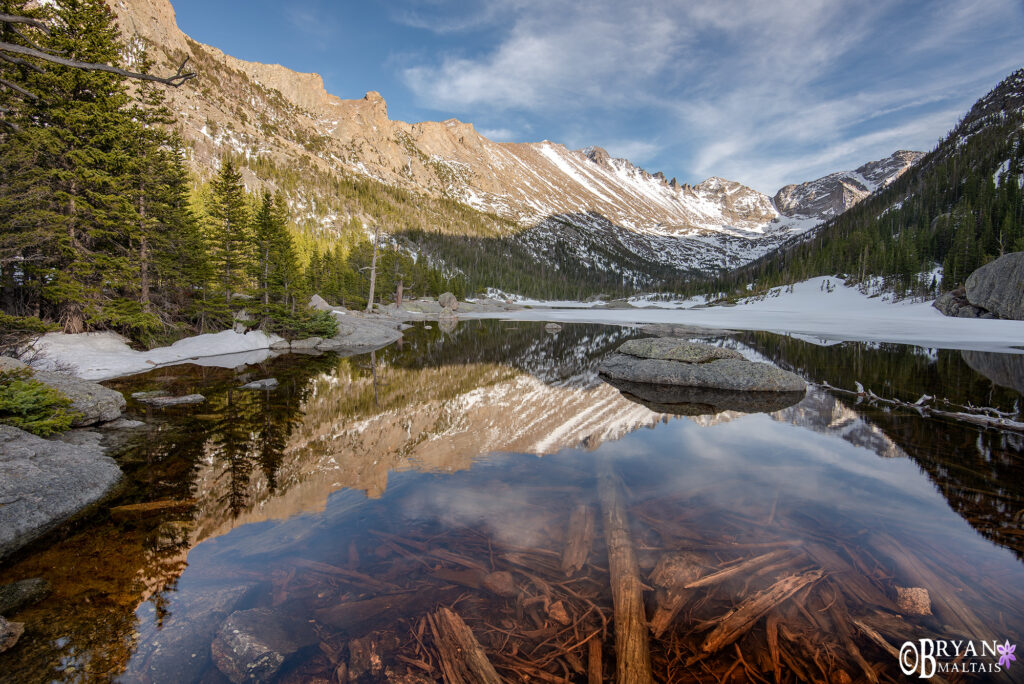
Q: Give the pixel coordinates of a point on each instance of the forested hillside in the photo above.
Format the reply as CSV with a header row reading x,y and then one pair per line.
x,y
102,227
959,207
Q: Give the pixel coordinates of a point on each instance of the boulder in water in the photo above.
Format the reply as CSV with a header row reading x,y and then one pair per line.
x,y
448,301
668,361
998,287
252,645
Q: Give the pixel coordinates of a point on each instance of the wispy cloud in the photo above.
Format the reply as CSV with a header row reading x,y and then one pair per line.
x,y
766,93
498,134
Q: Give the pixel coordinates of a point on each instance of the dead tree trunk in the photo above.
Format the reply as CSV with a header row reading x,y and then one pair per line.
x,y
632,652
463,660
373,271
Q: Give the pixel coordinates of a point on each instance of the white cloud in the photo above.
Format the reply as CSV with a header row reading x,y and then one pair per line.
x,y
498,134
766,93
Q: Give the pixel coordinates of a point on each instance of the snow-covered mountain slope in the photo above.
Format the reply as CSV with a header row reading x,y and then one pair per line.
x,y
614,214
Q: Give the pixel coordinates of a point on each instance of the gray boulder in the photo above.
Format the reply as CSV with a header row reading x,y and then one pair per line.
x,y
955,305
716,372
9,363
252,645
18,595
670,349
308,343
448,301
93,402
45,482
319,303
998,286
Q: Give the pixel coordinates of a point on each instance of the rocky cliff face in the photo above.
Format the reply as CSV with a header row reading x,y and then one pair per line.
x,y
831,195
288,119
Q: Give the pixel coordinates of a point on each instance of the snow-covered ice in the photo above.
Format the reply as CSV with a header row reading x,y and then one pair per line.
x,y
813,313
105,355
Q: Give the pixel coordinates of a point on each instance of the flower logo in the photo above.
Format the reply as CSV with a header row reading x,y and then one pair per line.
x,y
1006,655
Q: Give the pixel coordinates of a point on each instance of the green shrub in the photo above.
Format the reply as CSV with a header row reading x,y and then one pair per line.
x,y
30,405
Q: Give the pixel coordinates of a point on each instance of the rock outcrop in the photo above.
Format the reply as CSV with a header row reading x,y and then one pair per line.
x,y
93,402
45,482
18,595
665,361
998,287
702,401
955,305
361,334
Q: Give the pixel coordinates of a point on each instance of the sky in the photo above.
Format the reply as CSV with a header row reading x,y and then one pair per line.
x,y
762,92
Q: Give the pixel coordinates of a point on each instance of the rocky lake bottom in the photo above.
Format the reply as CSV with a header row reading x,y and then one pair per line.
x,y
461,492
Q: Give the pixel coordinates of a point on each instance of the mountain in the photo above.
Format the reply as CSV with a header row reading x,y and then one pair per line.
x,y
591,220
833,194
922,231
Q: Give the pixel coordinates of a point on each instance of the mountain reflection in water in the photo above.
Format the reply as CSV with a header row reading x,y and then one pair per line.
x,y
436,442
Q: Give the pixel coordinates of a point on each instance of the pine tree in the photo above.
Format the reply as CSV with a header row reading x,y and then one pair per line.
x,y
229,232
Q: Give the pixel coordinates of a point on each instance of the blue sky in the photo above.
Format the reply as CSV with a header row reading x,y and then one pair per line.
x,y
765,93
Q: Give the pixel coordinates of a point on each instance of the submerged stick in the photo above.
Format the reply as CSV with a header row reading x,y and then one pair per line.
x,y
737,569
673,573
462,658
632,652
740,619
580,539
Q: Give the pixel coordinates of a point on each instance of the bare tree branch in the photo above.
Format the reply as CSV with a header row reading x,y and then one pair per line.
x,y
174,81
31,43
21,62
34,23
18,89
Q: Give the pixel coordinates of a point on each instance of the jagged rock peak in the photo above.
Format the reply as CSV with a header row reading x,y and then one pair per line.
x,y
598,155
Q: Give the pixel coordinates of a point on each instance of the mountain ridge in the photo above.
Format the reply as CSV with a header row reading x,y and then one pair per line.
x,y
269,113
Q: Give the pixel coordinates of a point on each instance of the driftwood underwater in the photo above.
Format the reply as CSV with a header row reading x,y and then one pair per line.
x,y
627,586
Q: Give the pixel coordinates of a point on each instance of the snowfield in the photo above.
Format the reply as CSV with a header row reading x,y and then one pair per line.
x,y
812,313
106,355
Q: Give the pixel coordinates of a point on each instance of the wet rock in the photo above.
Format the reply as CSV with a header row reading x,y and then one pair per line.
x,y
914,600
46,482
448,301
284,345
998,286
163,401
18,595
93,402
702,401
252,645
501,583
955,305
1006,370
264,384
10,632
179,651
123,424
151,509
669,349
552,327
727,374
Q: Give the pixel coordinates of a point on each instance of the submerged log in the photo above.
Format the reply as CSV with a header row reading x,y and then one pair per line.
x,y
580,538
737,569
633,657
740,619
462,658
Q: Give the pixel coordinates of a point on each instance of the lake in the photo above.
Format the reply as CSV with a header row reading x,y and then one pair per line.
x,y
336,517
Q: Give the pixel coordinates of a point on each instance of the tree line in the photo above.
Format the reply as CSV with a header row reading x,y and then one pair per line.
x,y
102,227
